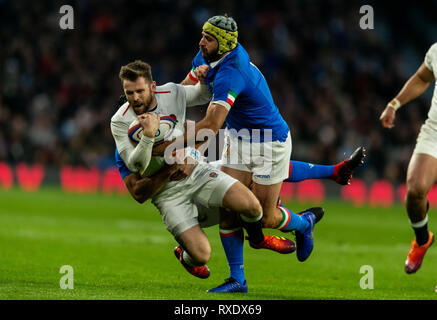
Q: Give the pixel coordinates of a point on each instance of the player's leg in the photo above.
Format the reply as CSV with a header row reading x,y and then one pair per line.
x,y
211,196
232,239
341,172
221,190
179,215
276,217
239,198
231,236
193,251
282,218
270,168
421,175
245,177
196,244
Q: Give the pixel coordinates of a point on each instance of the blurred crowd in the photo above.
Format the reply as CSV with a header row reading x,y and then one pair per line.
x,y
329,78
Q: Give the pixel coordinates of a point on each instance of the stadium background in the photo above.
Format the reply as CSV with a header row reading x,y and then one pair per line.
x,y
330,80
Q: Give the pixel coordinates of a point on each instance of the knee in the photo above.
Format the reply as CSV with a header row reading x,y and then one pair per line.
x,y
253,207
416,188
201,253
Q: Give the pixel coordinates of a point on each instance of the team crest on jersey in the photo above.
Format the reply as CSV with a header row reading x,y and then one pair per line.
x,y
213,175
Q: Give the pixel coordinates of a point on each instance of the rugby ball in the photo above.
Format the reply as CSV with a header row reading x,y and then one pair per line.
x,y
165,130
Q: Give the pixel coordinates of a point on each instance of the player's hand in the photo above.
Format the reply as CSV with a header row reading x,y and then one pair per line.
x,y
182,171
201,72
184,165
388,117
150,123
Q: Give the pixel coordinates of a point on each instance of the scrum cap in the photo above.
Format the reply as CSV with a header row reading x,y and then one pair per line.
x,y
224,30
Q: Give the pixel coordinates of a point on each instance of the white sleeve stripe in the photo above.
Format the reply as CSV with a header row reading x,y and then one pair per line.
x,y
223,103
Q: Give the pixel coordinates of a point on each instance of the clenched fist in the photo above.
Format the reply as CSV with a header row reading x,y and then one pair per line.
x,y
388,117
201,72
150,123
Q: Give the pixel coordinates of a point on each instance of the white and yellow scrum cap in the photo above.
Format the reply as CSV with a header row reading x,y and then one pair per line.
x,y
224,30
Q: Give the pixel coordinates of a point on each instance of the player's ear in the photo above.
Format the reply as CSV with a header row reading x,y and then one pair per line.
x,y
153,85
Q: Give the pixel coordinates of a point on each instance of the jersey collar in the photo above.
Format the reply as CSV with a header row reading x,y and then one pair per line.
x,y
156,107
215,63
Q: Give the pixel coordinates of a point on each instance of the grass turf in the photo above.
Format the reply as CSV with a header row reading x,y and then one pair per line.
x,y
120,250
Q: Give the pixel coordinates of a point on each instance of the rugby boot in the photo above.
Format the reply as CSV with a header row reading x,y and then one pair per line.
x,y
275,243
343,171
230,286
305,240
416,254
201,272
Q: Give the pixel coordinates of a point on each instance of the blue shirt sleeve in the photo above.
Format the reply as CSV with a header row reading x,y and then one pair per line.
x,y
198,60
228,84
122,168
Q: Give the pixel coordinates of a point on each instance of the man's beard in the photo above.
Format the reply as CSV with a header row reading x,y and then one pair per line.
x,y
147,104
211,57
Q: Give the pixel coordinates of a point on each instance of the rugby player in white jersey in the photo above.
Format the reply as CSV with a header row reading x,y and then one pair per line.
x,y
422,169
188,182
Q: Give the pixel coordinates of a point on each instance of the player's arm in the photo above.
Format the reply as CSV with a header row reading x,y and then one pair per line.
x,y
196,95
228,84
136,158
142,189
196,75
413,88
214,118
212,122
190,79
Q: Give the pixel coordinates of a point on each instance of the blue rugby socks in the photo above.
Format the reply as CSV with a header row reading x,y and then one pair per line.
x,y
292,221
300,171
232,242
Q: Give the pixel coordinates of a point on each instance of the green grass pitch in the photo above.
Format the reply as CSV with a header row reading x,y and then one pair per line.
x,y
120,250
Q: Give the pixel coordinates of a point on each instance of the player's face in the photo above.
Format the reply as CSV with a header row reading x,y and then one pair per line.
x,y
140,94
209,47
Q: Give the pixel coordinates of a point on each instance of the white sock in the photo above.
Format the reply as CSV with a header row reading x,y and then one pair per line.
x,y
249,220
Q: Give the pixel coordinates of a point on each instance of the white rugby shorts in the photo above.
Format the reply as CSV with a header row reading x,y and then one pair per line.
x,y
427,139
179,200
268,161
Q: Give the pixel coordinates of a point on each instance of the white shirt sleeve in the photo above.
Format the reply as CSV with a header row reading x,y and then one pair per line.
x,y
430,56
197,94
137,158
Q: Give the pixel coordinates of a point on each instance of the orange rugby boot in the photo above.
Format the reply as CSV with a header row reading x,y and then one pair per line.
x,y
275,243
416,254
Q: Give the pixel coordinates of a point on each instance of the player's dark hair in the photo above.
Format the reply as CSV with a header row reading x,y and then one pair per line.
x,y
133,70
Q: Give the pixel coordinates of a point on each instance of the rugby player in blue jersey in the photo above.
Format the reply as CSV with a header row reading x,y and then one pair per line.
x,y
242,100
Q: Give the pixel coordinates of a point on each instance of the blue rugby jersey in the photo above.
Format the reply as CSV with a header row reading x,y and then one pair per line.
x,y
240,83
124,171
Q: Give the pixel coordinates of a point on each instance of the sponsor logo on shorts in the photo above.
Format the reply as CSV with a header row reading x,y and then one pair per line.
x,y
263,176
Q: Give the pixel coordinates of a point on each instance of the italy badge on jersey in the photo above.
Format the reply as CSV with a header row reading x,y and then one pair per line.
x,y
231,97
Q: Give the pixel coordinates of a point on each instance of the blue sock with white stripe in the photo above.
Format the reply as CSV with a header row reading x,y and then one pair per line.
x,y
299,171
232,242
292,221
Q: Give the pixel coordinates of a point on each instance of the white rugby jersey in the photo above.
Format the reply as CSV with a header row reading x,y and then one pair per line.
x,y
172,99
431,64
